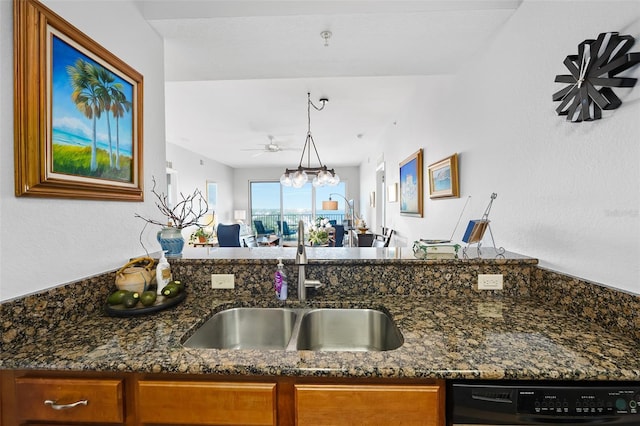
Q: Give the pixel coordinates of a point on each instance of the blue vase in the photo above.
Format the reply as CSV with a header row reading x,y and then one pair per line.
x,y
171,241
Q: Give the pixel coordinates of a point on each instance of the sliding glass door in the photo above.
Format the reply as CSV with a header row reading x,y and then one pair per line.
x,y
297,205
265,207
274,205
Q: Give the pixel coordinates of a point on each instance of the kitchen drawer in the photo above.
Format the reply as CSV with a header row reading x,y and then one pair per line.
x,y
206,403
104,400
368,405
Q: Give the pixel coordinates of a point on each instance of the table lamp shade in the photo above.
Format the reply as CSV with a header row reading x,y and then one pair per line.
x,y
239,214
330,205
208,220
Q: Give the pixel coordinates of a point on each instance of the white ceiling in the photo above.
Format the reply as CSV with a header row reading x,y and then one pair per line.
x,y
238,72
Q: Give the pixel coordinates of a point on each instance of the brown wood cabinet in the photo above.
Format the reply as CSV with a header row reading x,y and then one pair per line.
x,y
368,405
64,398
69,400
182,399
206,403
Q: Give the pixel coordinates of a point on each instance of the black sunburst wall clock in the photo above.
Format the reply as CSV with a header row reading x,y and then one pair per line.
x,y
596,65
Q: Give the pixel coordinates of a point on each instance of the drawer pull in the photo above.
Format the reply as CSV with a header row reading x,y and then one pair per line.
x,y
55,406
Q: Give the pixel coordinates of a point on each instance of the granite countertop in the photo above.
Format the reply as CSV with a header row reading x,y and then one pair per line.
x,y
350,255
451,338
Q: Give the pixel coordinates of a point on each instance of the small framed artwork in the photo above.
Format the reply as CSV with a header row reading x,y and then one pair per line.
x,y
411,185
443,178
78,113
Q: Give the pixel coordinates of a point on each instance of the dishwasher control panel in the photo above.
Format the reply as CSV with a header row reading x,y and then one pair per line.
x,y
531,403
574,401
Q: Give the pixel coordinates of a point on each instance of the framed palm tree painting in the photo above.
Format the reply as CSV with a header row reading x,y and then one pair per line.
x,y
78,113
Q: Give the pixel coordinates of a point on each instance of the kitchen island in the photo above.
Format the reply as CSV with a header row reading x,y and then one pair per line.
x,y
451,330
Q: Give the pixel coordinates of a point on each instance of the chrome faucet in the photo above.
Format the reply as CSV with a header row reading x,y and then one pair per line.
x,y
301,261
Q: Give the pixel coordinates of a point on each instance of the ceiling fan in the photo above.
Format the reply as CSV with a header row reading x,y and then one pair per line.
x,y
270,147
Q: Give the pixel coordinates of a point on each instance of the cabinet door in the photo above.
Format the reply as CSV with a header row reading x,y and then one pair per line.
x,y
368,405
206,403
69,400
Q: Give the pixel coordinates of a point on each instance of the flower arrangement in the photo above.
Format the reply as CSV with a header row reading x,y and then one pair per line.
x,y
319,231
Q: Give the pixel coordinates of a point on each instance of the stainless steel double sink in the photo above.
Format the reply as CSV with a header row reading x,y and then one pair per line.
x,y
298,329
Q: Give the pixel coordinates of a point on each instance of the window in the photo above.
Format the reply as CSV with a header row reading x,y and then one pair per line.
x,y
273,203
172,187
212,195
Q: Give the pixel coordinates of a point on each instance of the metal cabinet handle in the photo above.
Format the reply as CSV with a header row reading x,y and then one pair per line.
x,y
55,406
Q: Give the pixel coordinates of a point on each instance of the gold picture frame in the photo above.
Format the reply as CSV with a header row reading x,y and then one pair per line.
x,y
411,185
443,178
78,113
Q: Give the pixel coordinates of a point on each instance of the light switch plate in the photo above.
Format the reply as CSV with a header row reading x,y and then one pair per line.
x,y
490,282
222,281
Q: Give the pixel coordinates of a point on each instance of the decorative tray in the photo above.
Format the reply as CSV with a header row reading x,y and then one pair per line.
x,y
161,303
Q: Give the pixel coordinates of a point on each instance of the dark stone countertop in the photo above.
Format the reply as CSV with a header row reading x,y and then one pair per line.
x,y
450,329
452,338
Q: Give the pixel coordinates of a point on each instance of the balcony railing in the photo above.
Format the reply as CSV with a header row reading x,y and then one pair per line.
x,y
270,221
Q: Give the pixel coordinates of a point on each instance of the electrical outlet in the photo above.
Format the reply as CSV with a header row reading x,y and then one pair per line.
x,y
222,281
489,281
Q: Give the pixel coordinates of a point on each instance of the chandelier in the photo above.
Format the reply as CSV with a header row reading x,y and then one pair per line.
x,y
299,176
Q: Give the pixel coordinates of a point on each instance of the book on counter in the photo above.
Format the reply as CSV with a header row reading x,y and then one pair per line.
x,y
475,230
435,249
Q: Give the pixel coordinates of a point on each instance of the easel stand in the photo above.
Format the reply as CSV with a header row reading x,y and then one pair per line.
x,y
475,232
499,250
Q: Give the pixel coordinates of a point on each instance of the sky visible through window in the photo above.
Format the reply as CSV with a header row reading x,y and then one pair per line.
x,y
265,198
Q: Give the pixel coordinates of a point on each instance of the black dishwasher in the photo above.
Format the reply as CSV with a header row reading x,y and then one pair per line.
x,y
543,403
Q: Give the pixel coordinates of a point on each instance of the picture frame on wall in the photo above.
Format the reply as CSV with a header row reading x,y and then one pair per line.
x,y
411,185
78,113
443,178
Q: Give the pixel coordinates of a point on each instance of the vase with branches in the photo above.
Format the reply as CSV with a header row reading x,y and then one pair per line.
x,y
188,211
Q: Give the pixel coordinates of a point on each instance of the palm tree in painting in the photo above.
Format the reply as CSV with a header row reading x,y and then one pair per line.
x,y
119,106
102,80
109,90
87,98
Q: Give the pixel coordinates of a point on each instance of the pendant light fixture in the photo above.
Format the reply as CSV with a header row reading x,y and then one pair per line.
x,y
299,176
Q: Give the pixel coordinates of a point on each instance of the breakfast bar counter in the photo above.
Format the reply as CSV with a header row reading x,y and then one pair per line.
x,y
450,330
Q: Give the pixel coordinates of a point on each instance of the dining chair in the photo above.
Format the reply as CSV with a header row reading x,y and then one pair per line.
x,y
228,235
379,241
387,235
339,235
261,229
285,230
